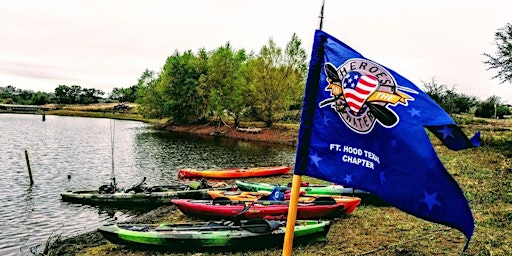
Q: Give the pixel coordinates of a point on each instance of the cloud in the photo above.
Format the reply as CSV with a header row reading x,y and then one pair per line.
x,y
102,43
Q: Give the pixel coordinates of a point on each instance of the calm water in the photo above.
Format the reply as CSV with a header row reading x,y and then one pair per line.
x,y
81,148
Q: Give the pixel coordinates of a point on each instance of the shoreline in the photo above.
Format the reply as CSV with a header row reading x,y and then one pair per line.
x,y
286,135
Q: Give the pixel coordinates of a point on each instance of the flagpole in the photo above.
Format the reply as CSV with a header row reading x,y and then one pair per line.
x,y
292,216
294,199
321,15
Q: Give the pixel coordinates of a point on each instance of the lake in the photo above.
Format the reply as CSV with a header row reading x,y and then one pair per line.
x,y
75,153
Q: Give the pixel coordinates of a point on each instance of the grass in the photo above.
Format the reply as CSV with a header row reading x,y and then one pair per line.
x,y
102,110
484,174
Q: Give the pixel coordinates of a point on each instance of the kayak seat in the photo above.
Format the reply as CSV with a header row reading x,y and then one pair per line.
x,y
324,201
214,224
260,226
137,228
221,200
264,198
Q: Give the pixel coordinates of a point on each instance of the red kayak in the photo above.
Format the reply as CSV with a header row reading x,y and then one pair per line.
x,y
227,209
232,173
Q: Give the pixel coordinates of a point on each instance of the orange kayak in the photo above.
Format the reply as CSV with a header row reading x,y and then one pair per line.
x,y
249,196
232,173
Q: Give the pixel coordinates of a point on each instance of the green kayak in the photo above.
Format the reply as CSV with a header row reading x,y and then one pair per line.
x,y
256,233
305,187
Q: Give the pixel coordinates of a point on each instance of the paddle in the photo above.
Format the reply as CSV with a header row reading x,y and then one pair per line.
x,y
384,115
332,73
136,188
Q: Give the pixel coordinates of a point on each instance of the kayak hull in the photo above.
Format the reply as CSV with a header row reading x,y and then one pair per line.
x,y
233,173
309,189
211,210
192,236
138,199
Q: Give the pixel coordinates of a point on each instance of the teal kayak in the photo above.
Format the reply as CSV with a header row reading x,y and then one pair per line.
x,y
305,187
221,234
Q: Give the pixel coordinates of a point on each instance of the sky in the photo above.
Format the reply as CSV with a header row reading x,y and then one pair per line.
x,y
104,44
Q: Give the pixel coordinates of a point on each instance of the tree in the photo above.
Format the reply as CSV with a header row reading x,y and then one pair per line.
x,y
67,94
62,94
501,60
463,103
148,98
124,94
450,100
179,85
226,83
40,98
89,96
75,94
492,107
276,80
434,90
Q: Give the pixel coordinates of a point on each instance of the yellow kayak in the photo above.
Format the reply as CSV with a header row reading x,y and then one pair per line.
x,y
250,196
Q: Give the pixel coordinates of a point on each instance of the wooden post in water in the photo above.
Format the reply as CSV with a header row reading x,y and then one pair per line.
x,y
44,117
29,170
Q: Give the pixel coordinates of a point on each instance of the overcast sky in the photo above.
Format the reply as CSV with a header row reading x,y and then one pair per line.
x,y
104,44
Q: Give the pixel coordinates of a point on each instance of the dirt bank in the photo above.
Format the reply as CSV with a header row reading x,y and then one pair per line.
x,y
280,134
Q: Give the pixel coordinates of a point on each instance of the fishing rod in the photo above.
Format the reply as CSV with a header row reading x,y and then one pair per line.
x,y
112,135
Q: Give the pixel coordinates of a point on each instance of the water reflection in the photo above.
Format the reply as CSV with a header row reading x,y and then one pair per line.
x,y
166,153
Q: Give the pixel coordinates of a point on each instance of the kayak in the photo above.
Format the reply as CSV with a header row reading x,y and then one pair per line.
x,y
249,196
306,187
232,173
257,233
143,196
226,209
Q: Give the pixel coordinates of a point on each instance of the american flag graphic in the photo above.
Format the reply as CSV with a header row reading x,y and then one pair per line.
x,y
357,88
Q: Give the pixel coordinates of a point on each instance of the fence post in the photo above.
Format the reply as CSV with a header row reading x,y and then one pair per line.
x,y
29,170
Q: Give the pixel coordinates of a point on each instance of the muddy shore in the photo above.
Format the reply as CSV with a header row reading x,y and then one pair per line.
x,y
279,134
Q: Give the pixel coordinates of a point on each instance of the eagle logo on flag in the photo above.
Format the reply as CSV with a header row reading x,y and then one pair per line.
x,y
361,91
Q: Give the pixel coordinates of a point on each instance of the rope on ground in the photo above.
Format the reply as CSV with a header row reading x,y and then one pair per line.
x,y
433,232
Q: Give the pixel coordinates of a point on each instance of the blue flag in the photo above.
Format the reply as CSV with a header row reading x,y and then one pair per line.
x,y
276,195
364,126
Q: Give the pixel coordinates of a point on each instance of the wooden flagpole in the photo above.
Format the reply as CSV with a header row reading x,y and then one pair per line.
x,y
292,216
294,199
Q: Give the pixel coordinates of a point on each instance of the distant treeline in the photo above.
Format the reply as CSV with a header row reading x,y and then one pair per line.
x,y
63,94
231,84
